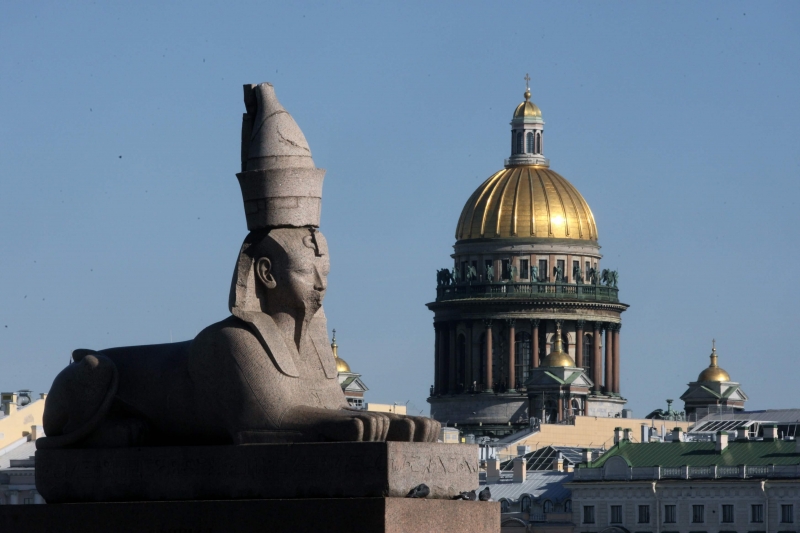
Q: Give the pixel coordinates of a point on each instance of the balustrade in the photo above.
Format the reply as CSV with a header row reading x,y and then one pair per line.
x,y
502,289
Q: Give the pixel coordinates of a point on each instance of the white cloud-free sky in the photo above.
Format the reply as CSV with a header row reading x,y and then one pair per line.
x,y
121,217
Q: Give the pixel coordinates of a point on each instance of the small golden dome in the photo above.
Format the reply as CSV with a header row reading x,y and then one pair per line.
x,y
558,357
341,364
526,201
713,372
527,108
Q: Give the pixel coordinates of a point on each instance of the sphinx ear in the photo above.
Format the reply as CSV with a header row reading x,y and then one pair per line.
x,y
263,268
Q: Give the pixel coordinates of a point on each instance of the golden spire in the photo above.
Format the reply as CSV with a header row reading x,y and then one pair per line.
x,y
341,364
527,87
713,372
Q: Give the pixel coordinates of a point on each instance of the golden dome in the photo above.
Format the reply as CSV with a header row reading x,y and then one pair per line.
x,y
713,372
527,109
526,201
558,357
341,364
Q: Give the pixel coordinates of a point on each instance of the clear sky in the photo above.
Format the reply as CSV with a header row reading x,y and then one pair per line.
x,y
121,216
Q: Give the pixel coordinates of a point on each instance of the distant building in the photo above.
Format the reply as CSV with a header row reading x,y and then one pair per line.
x,y
351,383
722,485
527,324
713,390
20,426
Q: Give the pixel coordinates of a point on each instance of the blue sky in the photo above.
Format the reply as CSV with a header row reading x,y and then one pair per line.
x,y
120,214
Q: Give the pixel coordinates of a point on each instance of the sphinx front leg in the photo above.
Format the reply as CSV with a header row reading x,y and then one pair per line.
x,y
339,425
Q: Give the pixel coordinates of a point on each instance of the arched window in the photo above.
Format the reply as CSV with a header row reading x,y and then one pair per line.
x,y
520,140
504,506
568,506
539,143
588,354
529,142
522,358
525,503
547,507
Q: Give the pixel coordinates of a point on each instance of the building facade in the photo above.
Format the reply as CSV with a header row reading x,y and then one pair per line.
x,y
526,275
746,485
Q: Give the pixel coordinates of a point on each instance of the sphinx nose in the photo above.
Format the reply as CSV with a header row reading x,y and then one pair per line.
x,y
320,283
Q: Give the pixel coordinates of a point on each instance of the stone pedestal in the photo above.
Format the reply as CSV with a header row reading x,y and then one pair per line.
x,y
256,471
335,487
331,515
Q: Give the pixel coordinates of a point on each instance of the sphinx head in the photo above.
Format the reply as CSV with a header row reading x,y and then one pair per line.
x,y
290,267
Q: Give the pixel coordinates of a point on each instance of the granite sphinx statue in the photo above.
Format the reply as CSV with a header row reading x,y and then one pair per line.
x,y
264,374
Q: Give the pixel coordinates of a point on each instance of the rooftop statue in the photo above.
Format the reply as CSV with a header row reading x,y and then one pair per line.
x,y
264,374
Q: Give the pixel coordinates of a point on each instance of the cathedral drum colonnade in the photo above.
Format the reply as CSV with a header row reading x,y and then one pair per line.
x,y
526,284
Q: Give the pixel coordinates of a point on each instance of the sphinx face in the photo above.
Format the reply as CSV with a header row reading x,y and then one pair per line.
x,y
302,277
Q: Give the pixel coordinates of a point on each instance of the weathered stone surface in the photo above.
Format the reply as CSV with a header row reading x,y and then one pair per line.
x,y
363,515
264,471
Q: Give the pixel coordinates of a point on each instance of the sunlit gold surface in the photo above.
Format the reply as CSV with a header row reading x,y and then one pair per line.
x,y
527,109
341,364
526,201
713,372
558,357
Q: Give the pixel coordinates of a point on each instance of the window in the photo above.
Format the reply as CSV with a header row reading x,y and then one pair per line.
x,y
787,514
644,514
504,506
525,503
506,267
698,514
586,272
543,273
588,514
757,513
548,506
670,514
520,140
538,143
616,514
727,514
576,266
523,269
568,506
529,142
27,501
522,359
588,354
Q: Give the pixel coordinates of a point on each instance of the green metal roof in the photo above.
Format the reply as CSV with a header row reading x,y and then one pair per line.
x,y
777,452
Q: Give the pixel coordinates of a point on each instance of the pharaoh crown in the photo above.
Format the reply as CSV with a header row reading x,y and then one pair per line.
x,y
281,187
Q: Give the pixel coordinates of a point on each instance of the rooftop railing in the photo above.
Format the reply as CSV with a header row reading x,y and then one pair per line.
x,y
689,472
527,290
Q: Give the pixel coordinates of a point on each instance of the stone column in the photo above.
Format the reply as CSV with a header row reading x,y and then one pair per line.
x,y
13,497
468,364
437,373
579,324
487,386
597,364
452,384
512,371
609,378
443,356
535,342
617,327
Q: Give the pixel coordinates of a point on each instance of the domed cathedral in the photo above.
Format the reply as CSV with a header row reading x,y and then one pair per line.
x,y
713,392
527,324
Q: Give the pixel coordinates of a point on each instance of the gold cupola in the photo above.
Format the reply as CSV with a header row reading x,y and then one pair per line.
x,y
526,199
714,372
558,357
341,364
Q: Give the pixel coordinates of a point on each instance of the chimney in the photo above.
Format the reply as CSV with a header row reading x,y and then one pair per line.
x,y
558,463
586,456
627,434
522,450
722,441
42,395
677,434
520,466
617,435
741,433
770,432
493,470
